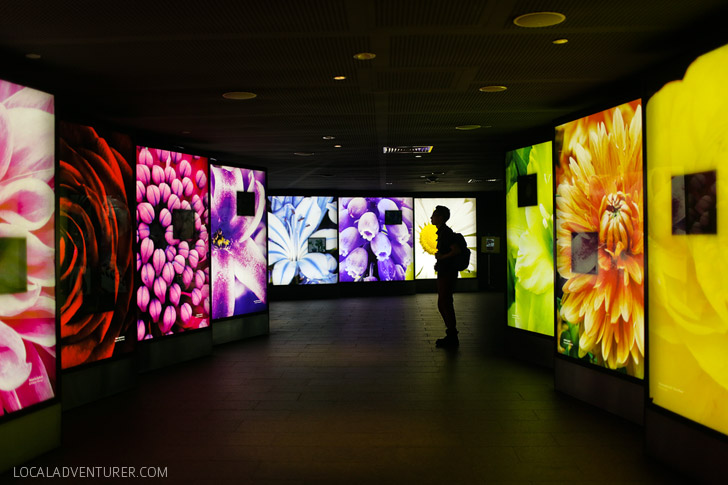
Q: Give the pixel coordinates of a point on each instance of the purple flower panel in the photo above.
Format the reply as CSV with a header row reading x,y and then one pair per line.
x,y
239,241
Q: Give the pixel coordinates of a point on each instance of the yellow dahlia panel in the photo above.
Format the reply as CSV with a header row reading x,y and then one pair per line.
x,y
687,143
530,238
599,239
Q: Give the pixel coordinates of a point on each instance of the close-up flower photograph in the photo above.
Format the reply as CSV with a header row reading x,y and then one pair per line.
x,y
238,241
688,332
371,246
27,248
95,249
172,261
303,240
530,240
600,311
462,220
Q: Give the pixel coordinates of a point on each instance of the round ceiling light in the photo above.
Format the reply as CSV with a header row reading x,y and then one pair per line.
x,y
339,78
328,137
467,127
337,146
364,56
33,56
239,95
535,20
560,41
492,89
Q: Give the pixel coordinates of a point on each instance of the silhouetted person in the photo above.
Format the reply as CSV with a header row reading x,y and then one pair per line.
x,y
447,249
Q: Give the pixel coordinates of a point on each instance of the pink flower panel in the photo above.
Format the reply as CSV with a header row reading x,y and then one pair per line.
x,y
27,248
172,260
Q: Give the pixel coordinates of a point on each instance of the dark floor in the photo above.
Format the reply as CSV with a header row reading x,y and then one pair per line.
x,y
354,391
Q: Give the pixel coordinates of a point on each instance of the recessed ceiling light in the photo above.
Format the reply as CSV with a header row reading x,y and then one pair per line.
x,y
339,78
337,146
467,127
303,154
492,89
475,181
388,183
328,137
185,132
492,180
239,95
539,19
32,56
559,41
418,156
364,56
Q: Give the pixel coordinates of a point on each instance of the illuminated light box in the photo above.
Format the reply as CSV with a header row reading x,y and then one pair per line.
x,y
462,220
599,240
172,262
530,237
95,186
239,254
369,248
303,240
687,177
28,362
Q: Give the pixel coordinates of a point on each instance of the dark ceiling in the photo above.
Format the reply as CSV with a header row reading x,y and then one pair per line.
x,y
160,67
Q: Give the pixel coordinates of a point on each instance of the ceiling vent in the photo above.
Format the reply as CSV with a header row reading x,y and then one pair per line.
x,y
407,149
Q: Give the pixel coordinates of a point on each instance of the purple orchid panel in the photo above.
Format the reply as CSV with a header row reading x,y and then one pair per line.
x,y
372,245
239,259
173,271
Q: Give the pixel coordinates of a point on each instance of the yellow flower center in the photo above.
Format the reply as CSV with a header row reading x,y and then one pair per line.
x,y
428,238
616,226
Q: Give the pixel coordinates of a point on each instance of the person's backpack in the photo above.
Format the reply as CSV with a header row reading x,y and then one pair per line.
x,y
461,260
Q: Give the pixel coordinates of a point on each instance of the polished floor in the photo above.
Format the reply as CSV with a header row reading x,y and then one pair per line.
x,y
353,391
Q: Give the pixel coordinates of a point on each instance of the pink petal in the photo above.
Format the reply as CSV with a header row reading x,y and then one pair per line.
x,y
12,305
33,134
41,331
251,268
30,98
37,388
27,202
6,143
223,284
14,370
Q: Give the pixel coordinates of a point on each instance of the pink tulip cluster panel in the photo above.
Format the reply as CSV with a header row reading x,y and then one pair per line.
x,y
172,261
28,365
95,182
239,241
375,239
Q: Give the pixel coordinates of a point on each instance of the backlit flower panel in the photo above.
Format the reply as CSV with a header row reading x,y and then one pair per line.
x,y
375,239
96,255
27,248
530,239
687,178
303,240
172,262
462,220
599,239
239,241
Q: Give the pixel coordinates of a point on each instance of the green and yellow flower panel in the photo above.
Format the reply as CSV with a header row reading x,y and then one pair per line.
x,y
687,179
530,238
599,239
